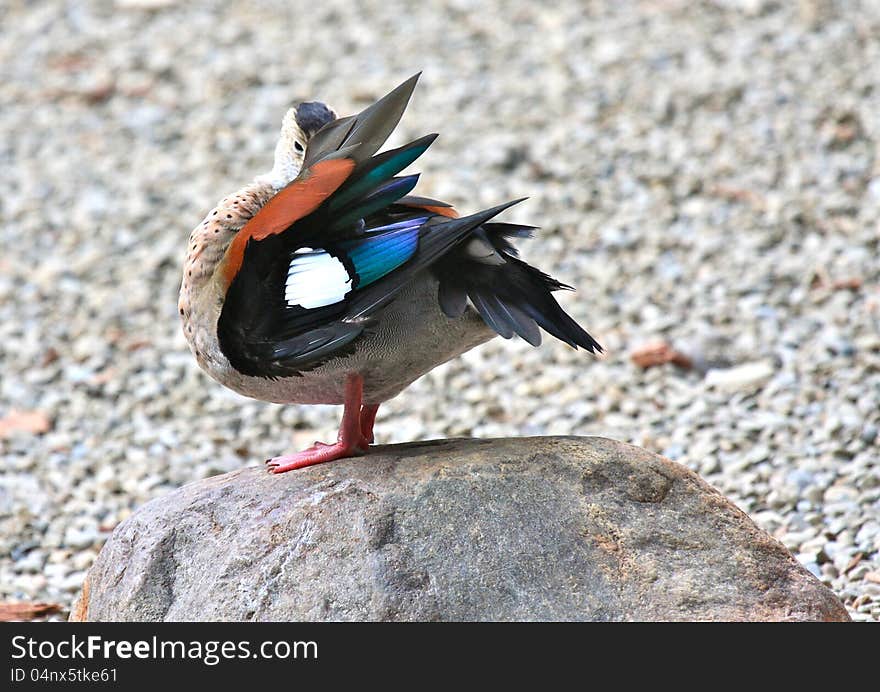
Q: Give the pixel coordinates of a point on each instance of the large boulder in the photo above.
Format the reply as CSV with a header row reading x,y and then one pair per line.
x,y
514,529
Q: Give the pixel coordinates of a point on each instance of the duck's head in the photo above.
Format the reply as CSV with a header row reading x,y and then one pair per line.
x,y
300,123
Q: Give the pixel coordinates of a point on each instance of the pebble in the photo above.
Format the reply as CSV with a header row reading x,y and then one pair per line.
x,y
741,377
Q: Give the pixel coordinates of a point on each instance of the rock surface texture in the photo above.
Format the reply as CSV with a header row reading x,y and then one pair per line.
x,y
513,529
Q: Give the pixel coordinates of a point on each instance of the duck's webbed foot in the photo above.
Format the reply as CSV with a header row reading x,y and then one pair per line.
x,y
355,434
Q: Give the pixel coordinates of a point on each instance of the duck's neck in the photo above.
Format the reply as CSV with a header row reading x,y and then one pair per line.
x,y
288,163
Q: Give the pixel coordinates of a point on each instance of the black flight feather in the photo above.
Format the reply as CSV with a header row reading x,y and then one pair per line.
x,y
511,296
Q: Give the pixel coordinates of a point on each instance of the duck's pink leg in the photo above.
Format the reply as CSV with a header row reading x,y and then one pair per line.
x,y
351,441
368,418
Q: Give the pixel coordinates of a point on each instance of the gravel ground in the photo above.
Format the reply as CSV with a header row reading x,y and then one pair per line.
x,y
704,173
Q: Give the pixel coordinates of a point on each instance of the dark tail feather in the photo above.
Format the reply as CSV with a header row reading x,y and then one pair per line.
x,y
510,295
453,299
500,233
543,308
522,324
491,309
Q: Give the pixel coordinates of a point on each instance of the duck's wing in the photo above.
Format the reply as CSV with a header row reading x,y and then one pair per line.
x,y
295,304
306,275
310,271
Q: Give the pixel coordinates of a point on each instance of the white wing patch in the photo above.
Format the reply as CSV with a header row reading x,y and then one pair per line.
x,y
315,278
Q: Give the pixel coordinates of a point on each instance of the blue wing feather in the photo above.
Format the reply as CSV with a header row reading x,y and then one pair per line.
x,y
386,193
382,167
383,249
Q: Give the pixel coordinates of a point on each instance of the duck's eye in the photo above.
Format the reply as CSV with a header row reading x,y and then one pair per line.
x,y
297,146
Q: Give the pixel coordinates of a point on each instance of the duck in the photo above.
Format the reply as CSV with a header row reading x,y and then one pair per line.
x,y
326,281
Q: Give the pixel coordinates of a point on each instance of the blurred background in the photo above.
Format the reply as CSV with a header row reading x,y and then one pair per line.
x,y
705,173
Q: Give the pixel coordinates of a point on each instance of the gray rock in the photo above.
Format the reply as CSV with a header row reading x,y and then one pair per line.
x,y
510,529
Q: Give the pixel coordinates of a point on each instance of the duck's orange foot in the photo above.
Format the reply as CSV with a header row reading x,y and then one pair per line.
x,y
318,454
355,434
